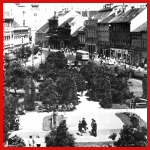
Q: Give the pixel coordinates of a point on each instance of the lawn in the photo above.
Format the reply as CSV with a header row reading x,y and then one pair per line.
x,y
124,117
93,144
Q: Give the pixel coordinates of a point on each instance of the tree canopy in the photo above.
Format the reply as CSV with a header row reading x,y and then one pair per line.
x,y
60,137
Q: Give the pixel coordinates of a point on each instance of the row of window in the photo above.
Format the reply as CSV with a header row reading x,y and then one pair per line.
x,y
7,24
81,38
104,42
91,33
120,42
103,28
7,38
119,28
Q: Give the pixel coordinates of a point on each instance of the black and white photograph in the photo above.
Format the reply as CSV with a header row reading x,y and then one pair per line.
x,y
75,74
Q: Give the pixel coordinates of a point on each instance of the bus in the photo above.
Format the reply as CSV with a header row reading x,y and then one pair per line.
x,y
82,55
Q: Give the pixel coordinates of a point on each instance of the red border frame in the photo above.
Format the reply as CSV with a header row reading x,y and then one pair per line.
x,y
56,1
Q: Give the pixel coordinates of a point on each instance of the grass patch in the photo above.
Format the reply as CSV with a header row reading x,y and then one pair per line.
x,y
119,106
47,123
93,144
125,118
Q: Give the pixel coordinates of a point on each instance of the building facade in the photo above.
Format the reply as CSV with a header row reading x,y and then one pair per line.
x,y
14,35
120,27
91,36
104,36
81,38
139,44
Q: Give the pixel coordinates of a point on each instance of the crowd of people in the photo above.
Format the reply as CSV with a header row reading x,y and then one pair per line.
x,y
82,127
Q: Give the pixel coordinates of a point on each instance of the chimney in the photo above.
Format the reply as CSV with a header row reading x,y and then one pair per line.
x,y
116,11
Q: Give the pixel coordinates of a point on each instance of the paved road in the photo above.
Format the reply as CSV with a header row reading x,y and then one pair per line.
x,y
107,122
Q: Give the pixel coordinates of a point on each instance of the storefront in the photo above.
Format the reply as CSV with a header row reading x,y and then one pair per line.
x,y
121,54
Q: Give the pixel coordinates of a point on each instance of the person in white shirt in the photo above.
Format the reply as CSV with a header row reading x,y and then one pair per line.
x,y
31,141
38,141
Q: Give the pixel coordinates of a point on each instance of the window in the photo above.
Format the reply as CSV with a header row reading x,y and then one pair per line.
x,y
35,14
23,22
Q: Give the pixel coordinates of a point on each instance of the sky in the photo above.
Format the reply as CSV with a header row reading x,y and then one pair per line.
x,y
76,6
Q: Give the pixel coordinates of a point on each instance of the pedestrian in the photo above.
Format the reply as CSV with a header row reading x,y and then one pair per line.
x,y
80,128
84,125
92,123
94,128
38,141
31,141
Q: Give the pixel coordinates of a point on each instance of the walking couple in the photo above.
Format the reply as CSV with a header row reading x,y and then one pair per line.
x,y
32,142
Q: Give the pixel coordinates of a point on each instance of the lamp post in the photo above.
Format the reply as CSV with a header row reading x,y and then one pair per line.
x,y
41,54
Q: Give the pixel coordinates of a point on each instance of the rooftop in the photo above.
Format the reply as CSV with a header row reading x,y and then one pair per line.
x,y
108,19
141,28
76,32
15,24
44,28
67,21
127,16
102,14
82,28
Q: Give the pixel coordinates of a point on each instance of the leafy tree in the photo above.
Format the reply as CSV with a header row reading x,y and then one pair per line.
x,y
23,52
14,76
10,104
132,135
79,80
48,92
55,62
36,49
144,86
73,93
106,101
60,137
30,94
67,87
16,141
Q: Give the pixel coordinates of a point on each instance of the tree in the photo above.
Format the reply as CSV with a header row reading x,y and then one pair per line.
x,y
60,137
10,104
132,135
55,62
16,141
48,92
144,86
36,49
23,52
30,94
106,101
14,76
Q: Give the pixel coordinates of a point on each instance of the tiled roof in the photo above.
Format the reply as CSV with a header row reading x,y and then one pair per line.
x,y
44,28
101,15
108,19
15,24
85,13
76,32
128,16
141,28
82,28
62,13
67,21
